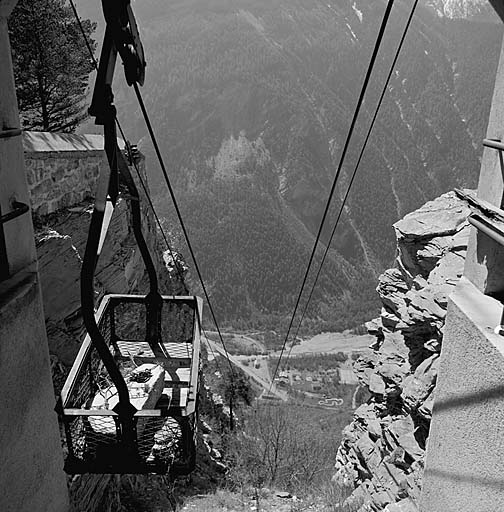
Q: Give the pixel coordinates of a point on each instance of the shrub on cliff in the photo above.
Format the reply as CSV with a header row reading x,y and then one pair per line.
x,y
285,447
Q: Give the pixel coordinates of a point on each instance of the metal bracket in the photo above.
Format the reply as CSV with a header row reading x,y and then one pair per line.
x,y
494,144
490,229
121,37
18,210
121,21
10,132
486,224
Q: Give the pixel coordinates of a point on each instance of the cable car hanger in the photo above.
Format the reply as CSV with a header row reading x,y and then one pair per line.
x,y
148,426
121,36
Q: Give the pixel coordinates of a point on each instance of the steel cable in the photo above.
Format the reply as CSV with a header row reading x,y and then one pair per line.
x,y
360,100
180,218
357,165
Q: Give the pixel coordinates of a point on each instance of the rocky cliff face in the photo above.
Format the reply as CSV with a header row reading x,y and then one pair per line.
x,y
380,460
61,239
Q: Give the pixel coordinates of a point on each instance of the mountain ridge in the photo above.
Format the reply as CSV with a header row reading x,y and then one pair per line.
x,y
226,77
460,8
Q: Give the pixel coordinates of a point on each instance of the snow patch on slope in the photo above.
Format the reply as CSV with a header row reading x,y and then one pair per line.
x,y
357,12
458,8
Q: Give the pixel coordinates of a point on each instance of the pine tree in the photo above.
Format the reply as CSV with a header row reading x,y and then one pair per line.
x,y
51,64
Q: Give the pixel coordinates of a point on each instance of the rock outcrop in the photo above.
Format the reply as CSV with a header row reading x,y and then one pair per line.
x,y
381,456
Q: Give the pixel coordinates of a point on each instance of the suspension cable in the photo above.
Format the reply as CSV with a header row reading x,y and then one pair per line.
x,y
357,165
374,55
79,22
179,215
207,339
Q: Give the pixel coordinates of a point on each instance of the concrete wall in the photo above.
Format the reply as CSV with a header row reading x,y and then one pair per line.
x,y
61,169
31,462
484,256
465,452
31,474
498,5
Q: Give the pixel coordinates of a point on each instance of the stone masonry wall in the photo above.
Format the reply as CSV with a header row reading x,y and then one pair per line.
x,y
58,180
381,457
61,169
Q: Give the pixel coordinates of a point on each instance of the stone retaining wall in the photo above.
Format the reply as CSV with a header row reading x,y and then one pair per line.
x,y
61,168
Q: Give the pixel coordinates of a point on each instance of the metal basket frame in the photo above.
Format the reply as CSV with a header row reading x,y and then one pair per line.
x,y
89,452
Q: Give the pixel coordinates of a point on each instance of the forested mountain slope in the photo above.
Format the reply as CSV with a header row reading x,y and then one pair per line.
x,y
252,100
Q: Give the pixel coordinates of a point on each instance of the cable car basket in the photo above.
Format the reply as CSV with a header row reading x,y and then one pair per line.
x,y
163,391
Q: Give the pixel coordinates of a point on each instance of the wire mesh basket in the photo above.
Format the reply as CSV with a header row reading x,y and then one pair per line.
x,y
163,390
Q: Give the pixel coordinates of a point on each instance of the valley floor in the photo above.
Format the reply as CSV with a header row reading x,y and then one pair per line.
x,y
268,501
330,342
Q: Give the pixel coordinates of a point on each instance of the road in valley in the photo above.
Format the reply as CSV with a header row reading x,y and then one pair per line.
x,y
250,371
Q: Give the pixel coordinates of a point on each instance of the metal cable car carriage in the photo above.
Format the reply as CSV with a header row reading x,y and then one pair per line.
x,y
156,432
129,404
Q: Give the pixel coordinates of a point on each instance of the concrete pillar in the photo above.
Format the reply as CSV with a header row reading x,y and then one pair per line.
x,y
464,464
465,450
485,256
31,463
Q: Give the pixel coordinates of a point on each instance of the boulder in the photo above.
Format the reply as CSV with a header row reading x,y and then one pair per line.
x,y
441,217
349,435
400,427
364,367
398,458
411,446
391,288
365,412
374,429
388,477
369,452
423,306
376,384
417,387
